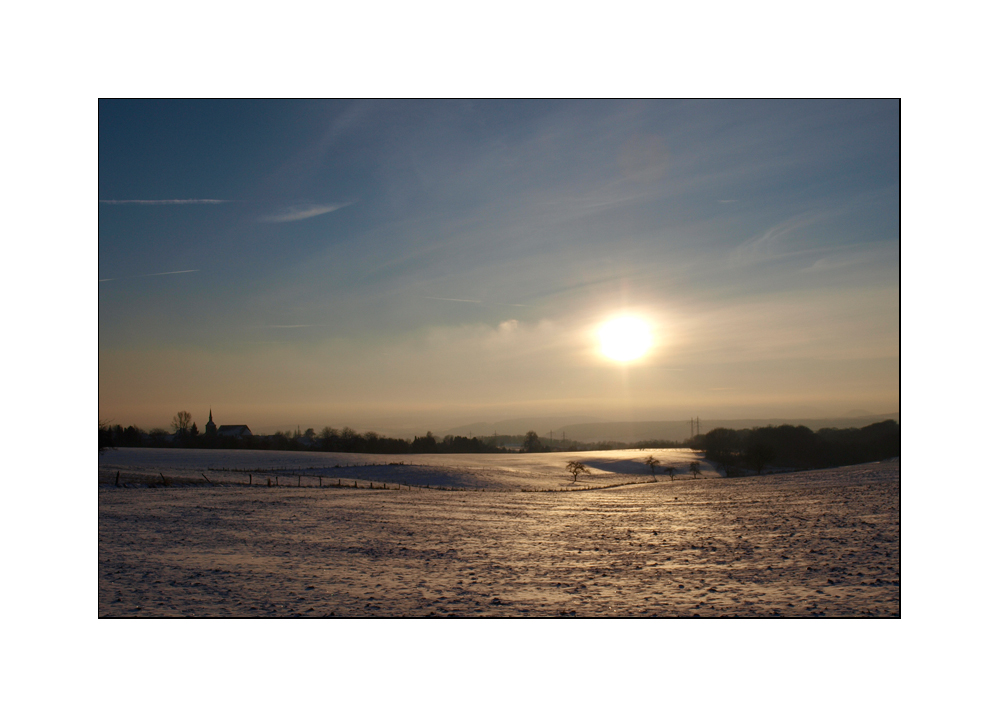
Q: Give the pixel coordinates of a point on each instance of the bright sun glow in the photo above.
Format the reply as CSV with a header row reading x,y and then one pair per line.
x,y
625,339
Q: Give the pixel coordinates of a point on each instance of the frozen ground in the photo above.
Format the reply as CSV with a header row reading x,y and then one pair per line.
x,y
480,471
820,543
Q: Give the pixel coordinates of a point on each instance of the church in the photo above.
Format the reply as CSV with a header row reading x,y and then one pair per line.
x,y
238,431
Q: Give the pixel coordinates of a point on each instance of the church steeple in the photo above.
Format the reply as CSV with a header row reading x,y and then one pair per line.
x,y
210,427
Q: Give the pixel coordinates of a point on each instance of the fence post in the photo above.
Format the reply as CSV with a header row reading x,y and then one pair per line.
x,y
251,479
117,474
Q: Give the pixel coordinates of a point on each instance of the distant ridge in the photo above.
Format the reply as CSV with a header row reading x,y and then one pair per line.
x,y
540,424
629,431
588,429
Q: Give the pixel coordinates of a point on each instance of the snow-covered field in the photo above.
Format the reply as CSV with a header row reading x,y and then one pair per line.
x,y
800,544
479,471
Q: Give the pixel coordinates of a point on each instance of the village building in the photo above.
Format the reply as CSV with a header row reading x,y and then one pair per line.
x,y
238,431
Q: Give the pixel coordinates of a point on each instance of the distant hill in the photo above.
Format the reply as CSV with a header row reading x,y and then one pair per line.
x,y
540,424
630,431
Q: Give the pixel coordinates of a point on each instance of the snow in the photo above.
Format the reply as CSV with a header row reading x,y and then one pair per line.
x,y
479,471
819,543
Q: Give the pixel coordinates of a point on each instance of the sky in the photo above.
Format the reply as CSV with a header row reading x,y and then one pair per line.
x,y
398,265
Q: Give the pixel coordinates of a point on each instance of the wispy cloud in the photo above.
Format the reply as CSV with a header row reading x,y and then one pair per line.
x,y
727,201
475,301
164,201
161,274
773,242
155,274
446,299
299,212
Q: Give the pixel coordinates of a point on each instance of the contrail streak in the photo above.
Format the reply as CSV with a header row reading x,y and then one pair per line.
x,y
475,301
157,274
445,299
160,274
164,201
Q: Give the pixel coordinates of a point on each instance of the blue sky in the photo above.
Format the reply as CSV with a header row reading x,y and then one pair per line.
x,y
391,265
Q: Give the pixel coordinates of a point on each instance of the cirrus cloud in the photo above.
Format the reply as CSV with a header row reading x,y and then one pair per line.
x,y
299,212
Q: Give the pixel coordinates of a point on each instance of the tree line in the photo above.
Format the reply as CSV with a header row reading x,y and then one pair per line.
x,y
185,434
797,447
736,451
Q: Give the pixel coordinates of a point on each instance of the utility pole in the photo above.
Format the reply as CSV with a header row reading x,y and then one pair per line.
x,y
699,427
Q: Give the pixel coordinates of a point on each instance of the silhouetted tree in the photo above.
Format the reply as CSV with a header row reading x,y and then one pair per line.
x,y
652,464
723,446
695,469
424,444
158,437
532,443
181,422
105,437
118,436
669,471
576,468
759,455
328,438
349,439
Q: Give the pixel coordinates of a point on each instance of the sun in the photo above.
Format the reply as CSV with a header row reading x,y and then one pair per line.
x,y
625,339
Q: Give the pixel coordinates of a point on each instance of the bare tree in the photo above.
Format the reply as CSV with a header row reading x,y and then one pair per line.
x,y
576,468
695,469
669,471
652,464
532,443
759,456
181,422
